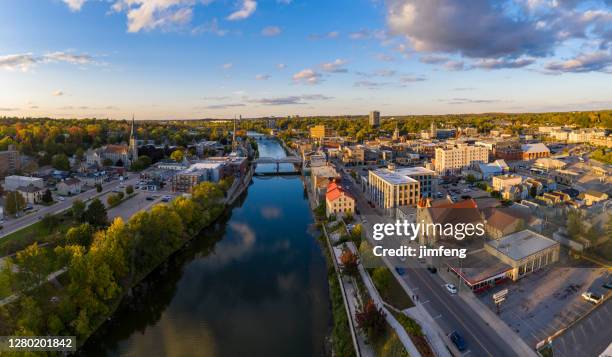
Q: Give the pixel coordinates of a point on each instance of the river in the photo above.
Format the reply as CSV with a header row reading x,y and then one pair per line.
x,y
255,284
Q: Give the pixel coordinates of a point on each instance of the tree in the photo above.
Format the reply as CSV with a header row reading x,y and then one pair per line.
x,y
47,196
96,214
574,224
382,278
129,189
60,162
98,187
80,235
113,200
15,202
371,320
34,265
349,262
78,208
177,155
533,191
107,162
356,234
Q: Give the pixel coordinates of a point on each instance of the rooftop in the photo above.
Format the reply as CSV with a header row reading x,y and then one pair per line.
x,y
537,147
522,244
396,177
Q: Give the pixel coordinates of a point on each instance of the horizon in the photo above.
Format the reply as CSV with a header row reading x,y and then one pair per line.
x,y
184,60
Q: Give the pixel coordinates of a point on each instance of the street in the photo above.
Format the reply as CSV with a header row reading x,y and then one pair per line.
x,y
448,310
13,225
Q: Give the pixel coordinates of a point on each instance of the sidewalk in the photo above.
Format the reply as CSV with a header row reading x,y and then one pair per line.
x,y
399,329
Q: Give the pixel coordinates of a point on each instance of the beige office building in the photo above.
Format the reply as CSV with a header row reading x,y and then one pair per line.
x,y
390,189
454,159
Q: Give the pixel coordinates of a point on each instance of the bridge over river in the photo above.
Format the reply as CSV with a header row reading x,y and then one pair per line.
x,y
295,160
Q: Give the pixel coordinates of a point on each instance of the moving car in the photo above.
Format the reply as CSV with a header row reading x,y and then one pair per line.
x,y
457,340
432,269
592,297
451,288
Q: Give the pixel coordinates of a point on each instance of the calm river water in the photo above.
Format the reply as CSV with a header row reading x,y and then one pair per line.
x,y
253,285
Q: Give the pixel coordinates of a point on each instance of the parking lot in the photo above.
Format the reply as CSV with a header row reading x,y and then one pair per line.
x,y
546,301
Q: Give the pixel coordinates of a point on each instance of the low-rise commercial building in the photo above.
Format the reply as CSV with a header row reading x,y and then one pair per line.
x,y
525,252
186,180
534,151
12,182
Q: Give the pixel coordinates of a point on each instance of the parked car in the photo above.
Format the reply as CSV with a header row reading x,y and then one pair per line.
x,y
60,198
149,198
451,288
592,297
457,340
607,285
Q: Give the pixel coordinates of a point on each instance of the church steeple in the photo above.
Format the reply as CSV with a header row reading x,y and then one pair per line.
x,y
133,146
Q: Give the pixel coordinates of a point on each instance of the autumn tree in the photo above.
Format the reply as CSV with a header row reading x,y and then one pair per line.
x,y
177,155
349,262
371,320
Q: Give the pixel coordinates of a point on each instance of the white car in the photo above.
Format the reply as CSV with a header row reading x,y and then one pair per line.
x,y
60,198
591,297
451,288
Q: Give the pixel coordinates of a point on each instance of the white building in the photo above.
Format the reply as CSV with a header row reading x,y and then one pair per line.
x,y
11,183
455,158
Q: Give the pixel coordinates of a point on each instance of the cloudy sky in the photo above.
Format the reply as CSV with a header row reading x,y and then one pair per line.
x,y
166,59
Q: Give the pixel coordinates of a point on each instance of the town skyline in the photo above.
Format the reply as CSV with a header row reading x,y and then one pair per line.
x,y
176,59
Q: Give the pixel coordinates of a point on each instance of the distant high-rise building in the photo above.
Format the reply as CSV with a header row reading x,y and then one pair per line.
x,y
10,161
433,130
374,118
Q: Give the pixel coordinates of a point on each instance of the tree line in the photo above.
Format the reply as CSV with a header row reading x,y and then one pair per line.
x,y
103,262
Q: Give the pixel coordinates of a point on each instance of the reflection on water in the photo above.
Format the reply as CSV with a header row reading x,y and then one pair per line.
x,y
253,285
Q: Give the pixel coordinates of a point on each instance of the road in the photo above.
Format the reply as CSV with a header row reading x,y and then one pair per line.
x,y
448,310
13,225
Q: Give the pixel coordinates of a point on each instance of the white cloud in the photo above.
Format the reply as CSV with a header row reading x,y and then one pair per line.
x,y
68,57
23,62
335,66
74,5
58,93
281,66
227,65
247,9
262,77
271,31
307,76
146,15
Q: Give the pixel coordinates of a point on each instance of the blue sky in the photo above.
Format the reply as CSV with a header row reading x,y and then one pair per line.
x,y
173,59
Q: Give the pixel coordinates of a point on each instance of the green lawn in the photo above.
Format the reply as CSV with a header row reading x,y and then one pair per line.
x,y
36,232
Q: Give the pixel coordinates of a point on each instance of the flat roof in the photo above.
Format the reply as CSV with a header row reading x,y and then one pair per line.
x,y
522,244
478,266
393,177
416,170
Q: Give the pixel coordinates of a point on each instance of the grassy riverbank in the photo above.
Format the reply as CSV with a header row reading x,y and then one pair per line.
x,y
102,272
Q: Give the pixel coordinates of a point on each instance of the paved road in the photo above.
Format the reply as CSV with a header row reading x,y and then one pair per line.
x,y
448,310
13,225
